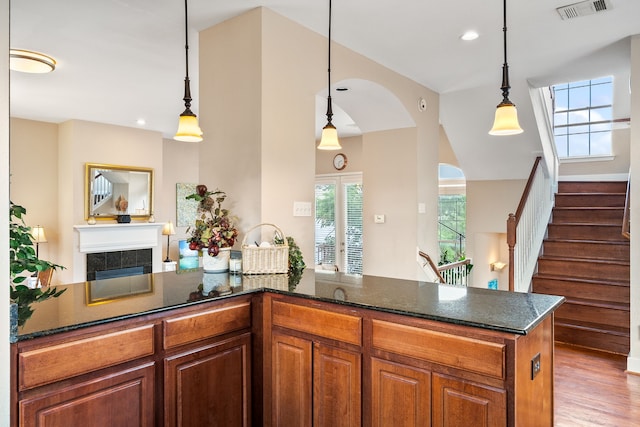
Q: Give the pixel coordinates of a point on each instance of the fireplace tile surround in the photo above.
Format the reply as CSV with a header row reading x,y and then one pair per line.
x,y
118,260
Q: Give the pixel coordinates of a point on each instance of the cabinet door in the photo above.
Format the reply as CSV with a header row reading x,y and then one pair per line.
x,y
400,395
119,399
209,386
336,387
458,403
291,381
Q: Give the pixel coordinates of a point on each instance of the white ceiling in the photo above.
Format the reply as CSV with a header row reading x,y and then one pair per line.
x,y
120,60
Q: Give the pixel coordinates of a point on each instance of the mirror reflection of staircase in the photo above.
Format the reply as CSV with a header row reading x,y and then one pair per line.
x,y
585,258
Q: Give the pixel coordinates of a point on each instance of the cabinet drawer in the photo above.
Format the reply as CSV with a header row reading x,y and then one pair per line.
x,y
194,327
337,326
57,362
469,354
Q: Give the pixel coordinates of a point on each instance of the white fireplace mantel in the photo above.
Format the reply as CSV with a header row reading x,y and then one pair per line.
x,y
117,237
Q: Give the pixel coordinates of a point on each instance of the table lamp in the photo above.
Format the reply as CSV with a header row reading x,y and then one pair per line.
x,y
168,230
38,235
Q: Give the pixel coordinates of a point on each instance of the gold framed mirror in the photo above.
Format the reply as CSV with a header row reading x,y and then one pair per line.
x,y
111,191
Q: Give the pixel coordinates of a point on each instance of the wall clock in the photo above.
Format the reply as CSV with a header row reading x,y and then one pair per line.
x,y
340,161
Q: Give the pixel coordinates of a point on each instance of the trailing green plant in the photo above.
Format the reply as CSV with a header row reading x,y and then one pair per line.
x,y
23,258
296,261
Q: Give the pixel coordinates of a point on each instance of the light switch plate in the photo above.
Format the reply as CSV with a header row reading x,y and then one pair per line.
x,y
378,219
301,208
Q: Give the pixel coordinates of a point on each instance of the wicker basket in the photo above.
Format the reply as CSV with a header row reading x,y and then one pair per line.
x,y
269,260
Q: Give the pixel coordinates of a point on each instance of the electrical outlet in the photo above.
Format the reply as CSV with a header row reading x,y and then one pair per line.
x,y
535,365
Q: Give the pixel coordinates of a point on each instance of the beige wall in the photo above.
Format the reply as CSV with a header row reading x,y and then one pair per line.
x,y
351,147
34,178
179,165
489,204
272,70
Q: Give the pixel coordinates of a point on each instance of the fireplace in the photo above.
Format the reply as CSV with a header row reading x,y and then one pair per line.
x,y
116,250
108,265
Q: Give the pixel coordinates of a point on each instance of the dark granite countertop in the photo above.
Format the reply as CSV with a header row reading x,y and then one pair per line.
x,y
91,303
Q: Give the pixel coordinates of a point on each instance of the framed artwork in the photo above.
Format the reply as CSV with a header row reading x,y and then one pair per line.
x,y
186,210
188,259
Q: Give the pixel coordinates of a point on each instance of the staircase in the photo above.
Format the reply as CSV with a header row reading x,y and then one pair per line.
x,y
585,258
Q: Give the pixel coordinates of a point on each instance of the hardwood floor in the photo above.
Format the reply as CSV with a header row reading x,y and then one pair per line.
x,y
593,389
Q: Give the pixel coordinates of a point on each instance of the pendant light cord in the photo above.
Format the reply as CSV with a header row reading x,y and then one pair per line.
x,y
329,109
187,88
505,67
329,50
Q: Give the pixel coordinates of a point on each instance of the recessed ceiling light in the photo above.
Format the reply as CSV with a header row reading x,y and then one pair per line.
x,y
141,122
469,35
28,61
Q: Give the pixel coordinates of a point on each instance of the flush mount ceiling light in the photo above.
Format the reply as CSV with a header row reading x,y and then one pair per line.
x,y
469,35
329,139
27,61
506,119
188,128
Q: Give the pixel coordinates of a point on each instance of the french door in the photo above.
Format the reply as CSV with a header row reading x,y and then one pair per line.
x,y
338,221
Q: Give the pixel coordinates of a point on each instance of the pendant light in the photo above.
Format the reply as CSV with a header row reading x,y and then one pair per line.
x,y
329,140
506,120
188,128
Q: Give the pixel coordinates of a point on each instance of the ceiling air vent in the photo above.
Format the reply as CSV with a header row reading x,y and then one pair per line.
x,y
584,8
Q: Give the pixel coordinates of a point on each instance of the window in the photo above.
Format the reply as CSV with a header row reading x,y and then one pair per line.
x,y
582,117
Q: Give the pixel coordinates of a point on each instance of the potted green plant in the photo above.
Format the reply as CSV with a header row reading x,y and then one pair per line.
x,y
23,258
214,232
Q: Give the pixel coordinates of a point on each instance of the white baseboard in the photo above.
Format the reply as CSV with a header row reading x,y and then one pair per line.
x,y
633,365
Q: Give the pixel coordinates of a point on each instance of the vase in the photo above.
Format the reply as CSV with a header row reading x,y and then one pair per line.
x,y
214,281
216,264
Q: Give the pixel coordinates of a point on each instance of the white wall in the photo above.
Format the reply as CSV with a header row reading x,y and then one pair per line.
x,y
5,367
633,362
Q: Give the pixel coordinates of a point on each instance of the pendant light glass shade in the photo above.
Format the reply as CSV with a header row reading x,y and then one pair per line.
x,y
506,118
188,128
506,121
329,139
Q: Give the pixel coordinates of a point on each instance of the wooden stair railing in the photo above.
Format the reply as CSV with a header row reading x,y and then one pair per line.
x,y
535,206
431,264
456,273
626,219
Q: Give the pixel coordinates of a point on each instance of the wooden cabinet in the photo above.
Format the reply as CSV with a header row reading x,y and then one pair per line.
x,y
308,375
291,381
400,395
459,403
315,381
123,398
279,360
209,385
187,367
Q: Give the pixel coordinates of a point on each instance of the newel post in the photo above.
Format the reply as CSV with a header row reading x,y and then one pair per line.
x,y
511,242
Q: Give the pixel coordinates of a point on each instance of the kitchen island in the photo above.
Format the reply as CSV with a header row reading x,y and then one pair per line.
x,y
194,348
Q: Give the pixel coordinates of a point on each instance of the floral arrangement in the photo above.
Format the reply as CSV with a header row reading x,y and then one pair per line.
x,y
214,227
